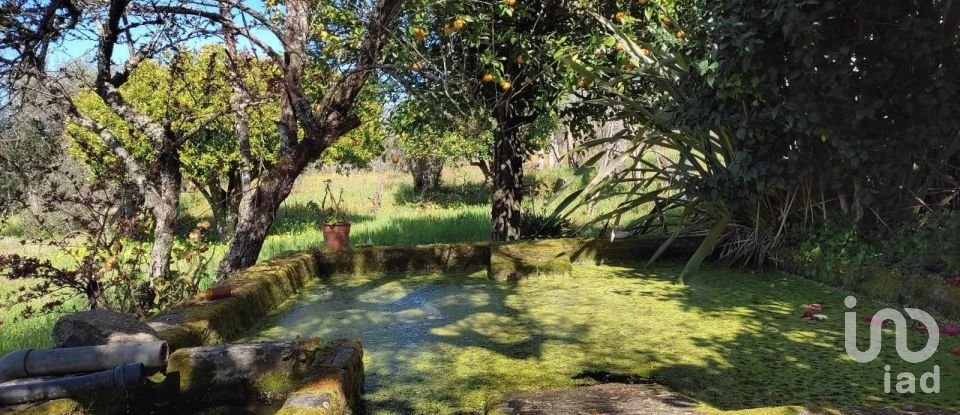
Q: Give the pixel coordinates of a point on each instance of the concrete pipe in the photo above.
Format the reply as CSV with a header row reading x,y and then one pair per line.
x,y
120,378
51,362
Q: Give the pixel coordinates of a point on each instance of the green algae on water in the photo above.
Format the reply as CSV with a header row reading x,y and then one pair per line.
x,y
456,342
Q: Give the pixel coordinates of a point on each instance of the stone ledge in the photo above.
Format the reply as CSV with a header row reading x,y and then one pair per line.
x,y
255,292
514,260
335,386
307,375
383,259
639,249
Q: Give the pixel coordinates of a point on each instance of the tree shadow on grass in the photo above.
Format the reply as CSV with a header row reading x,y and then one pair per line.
x,y
447,196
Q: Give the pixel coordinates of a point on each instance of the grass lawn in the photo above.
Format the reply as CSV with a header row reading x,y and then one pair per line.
x,y
445,344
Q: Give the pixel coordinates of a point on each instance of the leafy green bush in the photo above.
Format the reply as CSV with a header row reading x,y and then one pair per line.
x,y
542,225
777,125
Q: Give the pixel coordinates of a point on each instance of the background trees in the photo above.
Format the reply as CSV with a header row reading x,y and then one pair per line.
x,y
428,142
190,88
492,61
500,60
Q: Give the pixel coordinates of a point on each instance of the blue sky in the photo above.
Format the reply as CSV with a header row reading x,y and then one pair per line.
x,y
83,46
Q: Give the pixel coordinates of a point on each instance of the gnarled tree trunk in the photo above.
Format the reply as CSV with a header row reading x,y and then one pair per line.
x,y
224,201
257,212
426,173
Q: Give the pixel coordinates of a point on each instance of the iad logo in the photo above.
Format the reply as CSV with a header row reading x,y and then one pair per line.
x,y
906,381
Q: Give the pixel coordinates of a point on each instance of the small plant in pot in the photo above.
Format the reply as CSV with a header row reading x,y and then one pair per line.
x,y
336,228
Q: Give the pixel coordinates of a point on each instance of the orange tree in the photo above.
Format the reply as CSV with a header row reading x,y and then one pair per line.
x,y
503,59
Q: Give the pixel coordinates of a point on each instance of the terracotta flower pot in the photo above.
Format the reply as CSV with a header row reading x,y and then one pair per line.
x,y
336,236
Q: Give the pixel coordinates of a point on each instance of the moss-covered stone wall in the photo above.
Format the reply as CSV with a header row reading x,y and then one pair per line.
x,y
424,258
255,292
514,260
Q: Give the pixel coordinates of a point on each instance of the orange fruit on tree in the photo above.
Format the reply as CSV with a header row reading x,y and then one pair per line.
x,y
458,24
521,60
619,17
505,85
645,52
666,20
681,35
420,34
618,47
642,2
629,66
488,77
581,83
416,66
511,3
447,30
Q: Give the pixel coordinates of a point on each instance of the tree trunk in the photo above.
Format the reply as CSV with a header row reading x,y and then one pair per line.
x,y
507,180
224,202
426,173
164,208
258,209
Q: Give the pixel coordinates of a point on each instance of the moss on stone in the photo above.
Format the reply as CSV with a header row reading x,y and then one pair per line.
x,y
931,294
323,394
54,407
618,251
512,261
255,293
334,385
187,374
381,259
274,385
889,285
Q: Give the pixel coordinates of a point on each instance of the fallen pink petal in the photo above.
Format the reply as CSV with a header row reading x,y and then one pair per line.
x,y
950,330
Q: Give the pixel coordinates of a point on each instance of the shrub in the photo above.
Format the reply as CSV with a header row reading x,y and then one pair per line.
x,y
541,225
